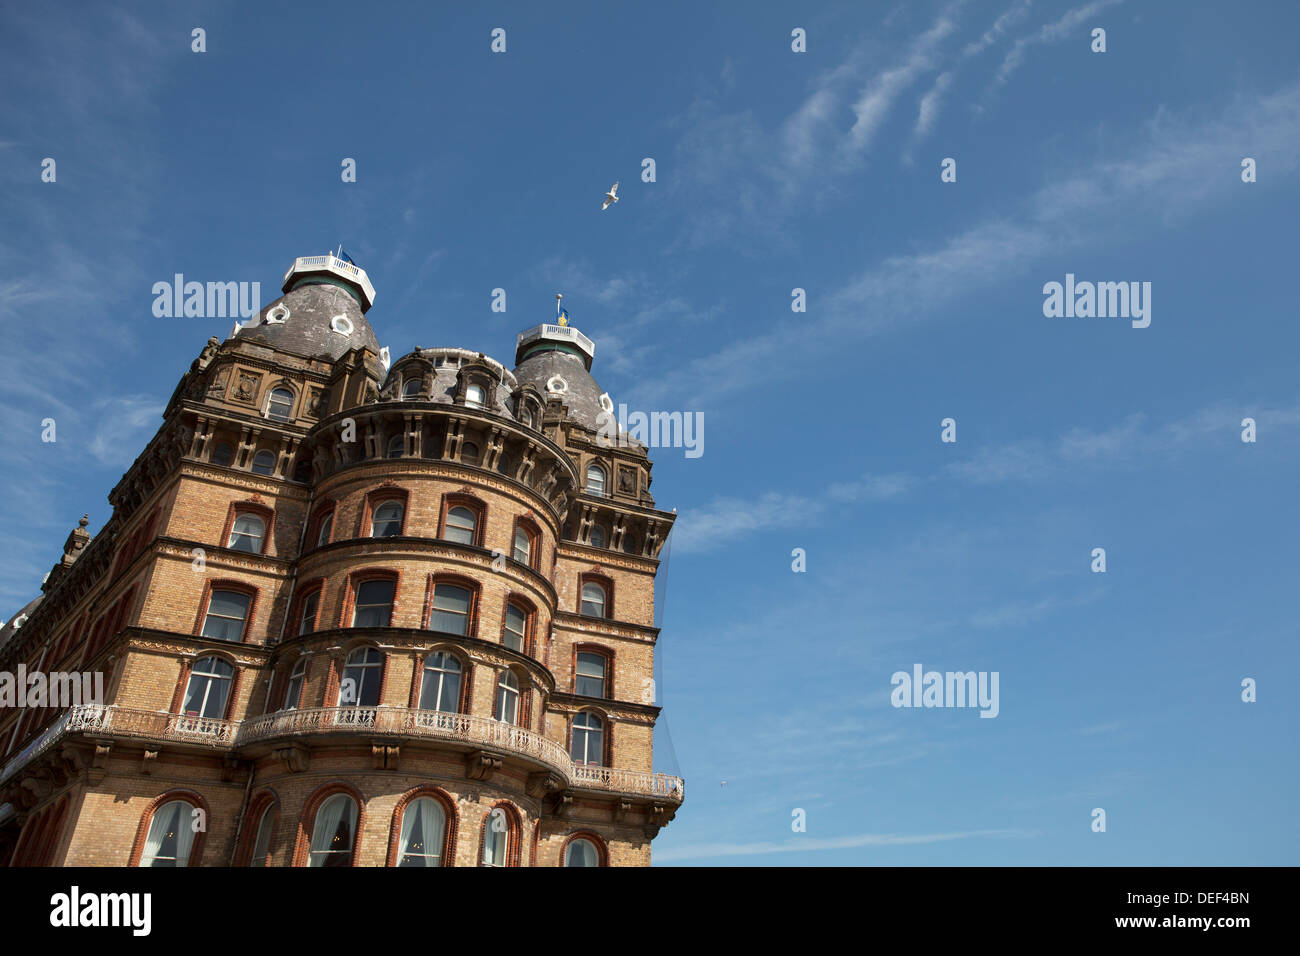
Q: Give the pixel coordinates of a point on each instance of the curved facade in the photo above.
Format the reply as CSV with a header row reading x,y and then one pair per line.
x,y
352,612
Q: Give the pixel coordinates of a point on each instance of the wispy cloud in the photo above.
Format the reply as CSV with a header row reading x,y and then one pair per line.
x,y
1173,170
798,845
1051,33
726,519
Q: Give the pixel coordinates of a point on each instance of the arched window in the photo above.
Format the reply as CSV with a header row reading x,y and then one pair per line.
x,y
280,405
411,389
451,609
523,546
475,396
246,534
530,417
440,685
302,471
293,694
374,603
387,521
424,830
362,675
503,464
629,543
170,836
581,853
589,681
597,536
227,615
594,599
516,628
333,833
499,837
507,704
396,446
469,453
264,462
596,481
588,746
325,530
208,688
462,526
262,842
222,453
310,605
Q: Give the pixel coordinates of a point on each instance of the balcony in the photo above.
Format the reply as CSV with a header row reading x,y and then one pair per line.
x,y
398,722
341,268
403,722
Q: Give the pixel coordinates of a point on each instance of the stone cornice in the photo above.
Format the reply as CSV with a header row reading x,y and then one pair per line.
x,y
581,624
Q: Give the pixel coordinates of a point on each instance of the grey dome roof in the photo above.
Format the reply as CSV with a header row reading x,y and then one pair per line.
x,y
447,363
306,331
583,395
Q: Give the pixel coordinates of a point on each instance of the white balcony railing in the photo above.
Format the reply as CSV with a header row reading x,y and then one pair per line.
x,y
340,267
381,721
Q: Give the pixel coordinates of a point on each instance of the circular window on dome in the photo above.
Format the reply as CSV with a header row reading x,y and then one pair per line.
x,y
556,385
606,402
341,324
277,315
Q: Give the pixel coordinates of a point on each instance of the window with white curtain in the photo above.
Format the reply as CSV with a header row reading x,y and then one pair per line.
x,y
170,836
496,838
582,853
262,842
333,833
246,534
424,827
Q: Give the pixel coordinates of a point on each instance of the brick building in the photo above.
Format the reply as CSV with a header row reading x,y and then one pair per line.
x,y
352,611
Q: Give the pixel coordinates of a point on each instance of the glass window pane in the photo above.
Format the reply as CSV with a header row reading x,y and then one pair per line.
x,y
461,525
450,610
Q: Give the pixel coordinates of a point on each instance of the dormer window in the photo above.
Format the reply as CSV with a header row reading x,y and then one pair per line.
x,y
264,462
277,315
596,481
475,396
341,324
411,390
279,407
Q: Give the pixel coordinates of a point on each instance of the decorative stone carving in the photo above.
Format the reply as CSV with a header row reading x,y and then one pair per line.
x,y
481,765
246,389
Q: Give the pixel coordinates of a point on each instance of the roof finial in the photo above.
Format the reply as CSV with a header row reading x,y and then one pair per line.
x,y
561,316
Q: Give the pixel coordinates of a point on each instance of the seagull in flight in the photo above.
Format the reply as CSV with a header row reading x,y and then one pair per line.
x,y
611,196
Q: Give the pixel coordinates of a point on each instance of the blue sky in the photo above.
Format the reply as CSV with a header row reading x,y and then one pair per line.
x,y
775,170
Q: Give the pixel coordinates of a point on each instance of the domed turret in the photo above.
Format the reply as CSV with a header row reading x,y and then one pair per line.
x,y
321,313
556,360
